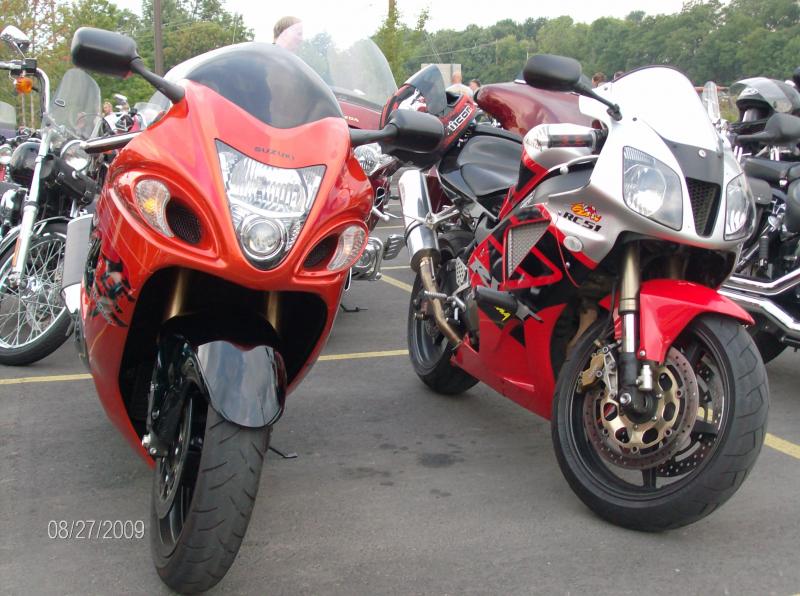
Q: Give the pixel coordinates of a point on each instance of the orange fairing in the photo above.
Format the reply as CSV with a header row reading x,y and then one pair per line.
x,y
179,151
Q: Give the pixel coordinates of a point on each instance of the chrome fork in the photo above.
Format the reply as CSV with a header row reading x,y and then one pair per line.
x,y
30,210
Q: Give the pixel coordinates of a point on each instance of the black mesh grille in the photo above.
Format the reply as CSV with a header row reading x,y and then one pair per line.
x,y
183,223
320,252
705,204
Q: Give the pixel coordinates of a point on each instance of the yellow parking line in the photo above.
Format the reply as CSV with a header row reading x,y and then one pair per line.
x,y
356,355
85,377
45,379
396,283
782,445
390,228
394,267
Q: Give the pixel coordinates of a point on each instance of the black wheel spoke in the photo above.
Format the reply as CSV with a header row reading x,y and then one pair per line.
x,y
649,478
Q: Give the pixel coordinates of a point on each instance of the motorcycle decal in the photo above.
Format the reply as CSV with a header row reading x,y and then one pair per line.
x,y
109,289
586,210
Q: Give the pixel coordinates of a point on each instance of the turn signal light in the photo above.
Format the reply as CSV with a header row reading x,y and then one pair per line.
x,y
349,248
23,85
152,197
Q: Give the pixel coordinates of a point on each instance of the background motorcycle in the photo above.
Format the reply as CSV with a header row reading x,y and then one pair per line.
x,y
766,280
360,77
46,186
213,275
581,284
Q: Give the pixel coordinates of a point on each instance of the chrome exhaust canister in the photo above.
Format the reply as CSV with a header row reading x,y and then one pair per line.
x,y
420,239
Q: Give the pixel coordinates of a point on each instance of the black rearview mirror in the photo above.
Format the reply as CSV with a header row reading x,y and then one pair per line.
x,y
103,51
416,131
552,73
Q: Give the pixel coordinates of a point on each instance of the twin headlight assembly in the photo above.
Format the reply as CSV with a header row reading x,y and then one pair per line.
x,y
653,189
269,206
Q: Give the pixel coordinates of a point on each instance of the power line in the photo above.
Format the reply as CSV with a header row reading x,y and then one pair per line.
x,y
437,55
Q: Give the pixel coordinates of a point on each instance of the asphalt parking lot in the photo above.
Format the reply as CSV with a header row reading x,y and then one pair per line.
x,y
395,491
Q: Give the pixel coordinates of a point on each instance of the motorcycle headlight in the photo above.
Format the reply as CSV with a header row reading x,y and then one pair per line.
x,y
652,188
740,209
5,154
75,157
371,158
268,205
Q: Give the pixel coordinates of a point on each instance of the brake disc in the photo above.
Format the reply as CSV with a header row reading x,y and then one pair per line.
x,y
643,444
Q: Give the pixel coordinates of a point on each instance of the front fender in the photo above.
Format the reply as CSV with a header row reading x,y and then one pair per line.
x,y
667,306
246,386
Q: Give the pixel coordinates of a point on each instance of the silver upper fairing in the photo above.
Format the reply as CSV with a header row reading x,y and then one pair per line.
x,y
663,118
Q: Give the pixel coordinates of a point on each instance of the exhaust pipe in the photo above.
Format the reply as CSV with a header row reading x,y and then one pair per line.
x,y
426,269
765,307
768,288
420,239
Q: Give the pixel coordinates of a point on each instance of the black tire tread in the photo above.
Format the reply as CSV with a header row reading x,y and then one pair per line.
x,y
731,463
443,377
225,491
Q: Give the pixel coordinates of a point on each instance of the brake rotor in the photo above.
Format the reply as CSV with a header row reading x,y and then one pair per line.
x,y
643,444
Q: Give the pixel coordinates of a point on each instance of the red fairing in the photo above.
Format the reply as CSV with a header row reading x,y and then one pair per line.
x,y
360,116
667,306
519,107
521,371
179,151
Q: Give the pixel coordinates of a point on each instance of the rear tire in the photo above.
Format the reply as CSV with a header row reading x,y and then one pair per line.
x,y
768,345
196,541
713,476
430,353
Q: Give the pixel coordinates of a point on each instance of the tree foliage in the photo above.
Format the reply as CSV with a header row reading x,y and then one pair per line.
x,y
707,39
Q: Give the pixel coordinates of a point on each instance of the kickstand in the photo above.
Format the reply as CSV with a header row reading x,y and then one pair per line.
x,y
290,455
354,309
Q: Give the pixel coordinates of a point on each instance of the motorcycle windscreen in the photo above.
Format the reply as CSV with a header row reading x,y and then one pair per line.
x,y
668,102
780,96
351,65
75,106
8,116
430,84
267,81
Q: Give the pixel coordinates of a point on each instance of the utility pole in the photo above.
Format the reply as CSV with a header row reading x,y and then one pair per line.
x,y
158,41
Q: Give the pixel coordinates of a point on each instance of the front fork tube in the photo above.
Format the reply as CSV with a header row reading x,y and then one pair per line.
x,y
631,394
30,210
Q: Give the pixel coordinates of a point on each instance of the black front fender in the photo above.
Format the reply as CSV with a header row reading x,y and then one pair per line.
x,y
246,386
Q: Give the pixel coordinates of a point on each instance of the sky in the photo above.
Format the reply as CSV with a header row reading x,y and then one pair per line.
x,y
366,15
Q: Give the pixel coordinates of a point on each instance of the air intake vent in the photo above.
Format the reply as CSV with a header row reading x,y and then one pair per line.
x,y
320,252
183,223
521,240
704,197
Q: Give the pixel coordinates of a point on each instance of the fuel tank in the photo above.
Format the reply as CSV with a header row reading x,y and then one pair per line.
x,y
519,107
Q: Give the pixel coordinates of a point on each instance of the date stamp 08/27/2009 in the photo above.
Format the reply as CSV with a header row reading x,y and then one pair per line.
x,y
95,529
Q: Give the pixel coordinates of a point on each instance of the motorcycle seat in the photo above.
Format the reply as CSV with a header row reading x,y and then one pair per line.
x,y
771,171
484,169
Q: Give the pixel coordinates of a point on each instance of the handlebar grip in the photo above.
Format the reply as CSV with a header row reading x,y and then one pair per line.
x,y
103,144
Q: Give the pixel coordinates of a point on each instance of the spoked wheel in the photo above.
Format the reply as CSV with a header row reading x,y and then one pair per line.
x,y
686,455
33,319
204,490
429,350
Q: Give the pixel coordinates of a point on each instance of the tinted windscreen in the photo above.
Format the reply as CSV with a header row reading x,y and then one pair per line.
x,y
266,81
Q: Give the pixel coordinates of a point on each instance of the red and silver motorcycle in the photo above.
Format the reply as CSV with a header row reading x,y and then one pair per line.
x,y
576,273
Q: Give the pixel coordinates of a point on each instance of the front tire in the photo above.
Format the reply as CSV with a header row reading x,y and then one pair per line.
x,y
712,456
198,523
34,321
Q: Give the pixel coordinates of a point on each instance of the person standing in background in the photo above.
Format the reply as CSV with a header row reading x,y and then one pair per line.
x,y
288,33
474,84
598,79
457,86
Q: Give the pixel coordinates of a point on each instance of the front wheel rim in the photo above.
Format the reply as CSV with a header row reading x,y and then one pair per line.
x,y
29,311
684,467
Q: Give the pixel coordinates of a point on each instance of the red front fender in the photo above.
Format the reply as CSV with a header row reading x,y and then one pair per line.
x,y
667,306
